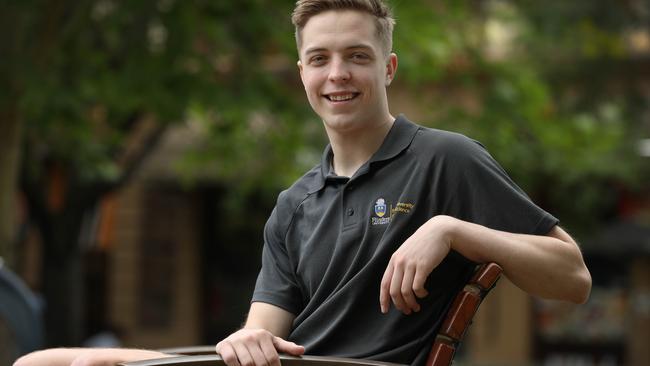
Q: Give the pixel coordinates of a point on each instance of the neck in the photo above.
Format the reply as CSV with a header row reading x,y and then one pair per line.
x,y
352,149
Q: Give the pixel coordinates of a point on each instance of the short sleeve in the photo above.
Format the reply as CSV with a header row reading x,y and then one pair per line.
x,y
276,283
480,191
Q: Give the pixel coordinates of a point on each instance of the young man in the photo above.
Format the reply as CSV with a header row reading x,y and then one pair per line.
x,y
363,253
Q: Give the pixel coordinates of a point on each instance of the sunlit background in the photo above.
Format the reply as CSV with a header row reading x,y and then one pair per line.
x,y
143,144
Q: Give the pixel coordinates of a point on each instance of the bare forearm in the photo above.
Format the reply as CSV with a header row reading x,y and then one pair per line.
x,y
54,357
101,356
269,317
548,266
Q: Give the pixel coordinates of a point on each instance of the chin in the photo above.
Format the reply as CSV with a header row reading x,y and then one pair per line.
x,y
341,123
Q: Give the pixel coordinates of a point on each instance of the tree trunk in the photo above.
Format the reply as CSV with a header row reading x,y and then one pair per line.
x,y
10,135
63,283
59,214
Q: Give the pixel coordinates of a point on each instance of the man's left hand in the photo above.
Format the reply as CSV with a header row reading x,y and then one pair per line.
x,y
410,266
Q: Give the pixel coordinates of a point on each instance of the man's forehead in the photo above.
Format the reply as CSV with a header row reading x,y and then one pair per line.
x,y
337,19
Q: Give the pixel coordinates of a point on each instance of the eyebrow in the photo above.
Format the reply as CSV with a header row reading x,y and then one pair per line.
x,y
356,46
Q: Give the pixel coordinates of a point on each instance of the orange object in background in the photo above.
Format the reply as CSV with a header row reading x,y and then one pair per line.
x,y
105,232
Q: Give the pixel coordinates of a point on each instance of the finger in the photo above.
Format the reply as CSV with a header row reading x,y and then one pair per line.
x,y
270,353
243,355
384,289
227,353
396,290
288,347
257,354
418,283
407,289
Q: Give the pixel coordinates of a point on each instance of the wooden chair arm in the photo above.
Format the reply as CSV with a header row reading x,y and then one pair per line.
x,y
215,360
189,351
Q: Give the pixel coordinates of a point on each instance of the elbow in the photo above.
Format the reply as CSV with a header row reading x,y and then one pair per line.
x,y
581,283
30,359
41,357
22,361
582,288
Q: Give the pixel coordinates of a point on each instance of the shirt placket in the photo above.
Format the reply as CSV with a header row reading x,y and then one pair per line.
x,y
349,206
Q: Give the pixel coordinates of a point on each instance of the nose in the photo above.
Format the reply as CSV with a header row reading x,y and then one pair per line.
x,y
339,71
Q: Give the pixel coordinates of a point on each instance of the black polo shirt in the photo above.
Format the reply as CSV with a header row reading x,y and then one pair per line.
x,y
329,239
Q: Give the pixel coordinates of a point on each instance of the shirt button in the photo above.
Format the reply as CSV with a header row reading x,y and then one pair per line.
x,y
350,211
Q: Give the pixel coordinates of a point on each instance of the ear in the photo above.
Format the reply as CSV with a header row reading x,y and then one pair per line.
x,y
391,68
299,64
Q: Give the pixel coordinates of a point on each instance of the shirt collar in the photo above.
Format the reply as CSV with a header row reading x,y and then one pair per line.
x,y
397,140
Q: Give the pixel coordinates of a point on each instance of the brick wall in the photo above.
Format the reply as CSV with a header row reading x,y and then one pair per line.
x,y
154,273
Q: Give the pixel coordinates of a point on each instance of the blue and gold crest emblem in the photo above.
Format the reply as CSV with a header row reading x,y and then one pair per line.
x,y
380,207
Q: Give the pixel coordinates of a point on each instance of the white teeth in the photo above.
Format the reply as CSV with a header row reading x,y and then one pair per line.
x,y
340,98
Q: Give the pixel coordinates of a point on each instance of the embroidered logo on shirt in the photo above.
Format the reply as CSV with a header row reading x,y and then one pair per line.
x,y
402,207
381,209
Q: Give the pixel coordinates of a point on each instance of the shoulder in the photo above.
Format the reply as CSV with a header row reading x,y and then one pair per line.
x,y
300,189
447,146
290,199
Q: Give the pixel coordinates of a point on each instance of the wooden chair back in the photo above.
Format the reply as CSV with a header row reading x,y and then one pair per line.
x,y
460,314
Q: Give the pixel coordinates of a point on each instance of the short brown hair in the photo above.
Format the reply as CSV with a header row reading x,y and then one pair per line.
x,y
384,22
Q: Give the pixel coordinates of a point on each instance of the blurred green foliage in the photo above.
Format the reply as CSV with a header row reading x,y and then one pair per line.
x,y
550,88
545,86
83,73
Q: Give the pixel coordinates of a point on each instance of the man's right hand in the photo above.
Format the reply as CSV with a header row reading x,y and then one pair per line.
x,y
255,347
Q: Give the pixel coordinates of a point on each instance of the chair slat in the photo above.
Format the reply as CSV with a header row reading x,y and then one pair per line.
x,y
441,354
461,312
460,315
487,276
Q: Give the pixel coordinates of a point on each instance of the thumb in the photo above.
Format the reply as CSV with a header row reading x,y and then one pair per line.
x,y
288,347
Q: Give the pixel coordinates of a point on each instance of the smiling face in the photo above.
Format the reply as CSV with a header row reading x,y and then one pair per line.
x,y
344,70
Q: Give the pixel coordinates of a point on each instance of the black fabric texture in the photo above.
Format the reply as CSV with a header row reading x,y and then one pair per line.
x,y
329,239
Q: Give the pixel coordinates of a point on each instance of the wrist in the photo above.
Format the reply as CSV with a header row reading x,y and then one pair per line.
x,y
446,227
